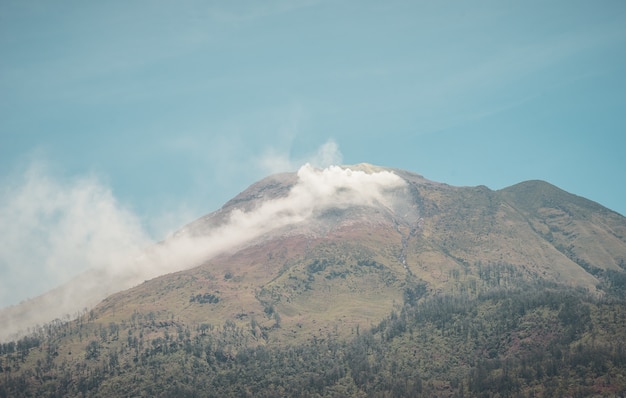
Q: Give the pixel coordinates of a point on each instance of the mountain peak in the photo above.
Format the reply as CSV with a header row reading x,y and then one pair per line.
x,y
367,214
341,260
536,194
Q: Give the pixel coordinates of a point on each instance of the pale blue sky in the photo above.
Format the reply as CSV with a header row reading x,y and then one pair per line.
x,y
176,106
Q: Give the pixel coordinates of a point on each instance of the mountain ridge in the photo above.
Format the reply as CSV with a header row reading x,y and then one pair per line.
x,y
438,227
369,275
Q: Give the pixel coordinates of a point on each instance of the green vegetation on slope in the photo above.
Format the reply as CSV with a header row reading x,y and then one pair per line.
x,y
530,338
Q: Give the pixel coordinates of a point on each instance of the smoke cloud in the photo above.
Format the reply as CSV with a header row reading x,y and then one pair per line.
x,y
57,231
326,155
53,230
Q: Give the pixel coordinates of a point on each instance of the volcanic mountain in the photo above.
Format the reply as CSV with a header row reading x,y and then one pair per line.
x,y
335,254
344,259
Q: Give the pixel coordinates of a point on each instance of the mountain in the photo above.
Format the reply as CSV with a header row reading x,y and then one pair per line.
x,y
354,281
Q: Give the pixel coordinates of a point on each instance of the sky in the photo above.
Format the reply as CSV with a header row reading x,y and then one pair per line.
x,y
124,119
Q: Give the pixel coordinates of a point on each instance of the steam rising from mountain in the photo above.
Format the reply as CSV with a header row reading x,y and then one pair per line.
x,y
108,239
315,190
53,230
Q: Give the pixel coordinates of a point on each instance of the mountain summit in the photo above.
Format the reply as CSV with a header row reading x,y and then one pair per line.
x,y
329,253
363,213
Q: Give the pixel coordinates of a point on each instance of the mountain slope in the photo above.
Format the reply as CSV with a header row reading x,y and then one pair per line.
x,y
336,260
587,233
347,266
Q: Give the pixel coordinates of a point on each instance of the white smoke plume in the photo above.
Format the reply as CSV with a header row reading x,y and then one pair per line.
x,y
89,229
274,161
52,231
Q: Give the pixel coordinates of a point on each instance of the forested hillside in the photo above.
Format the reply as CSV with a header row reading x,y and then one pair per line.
x,y
496,337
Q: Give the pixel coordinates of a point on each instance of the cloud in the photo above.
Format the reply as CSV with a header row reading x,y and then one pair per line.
x,y
327,155
274,161
63,229
316,190
53,230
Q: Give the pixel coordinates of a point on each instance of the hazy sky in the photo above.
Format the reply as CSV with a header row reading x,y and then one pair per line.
x,y
163,110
